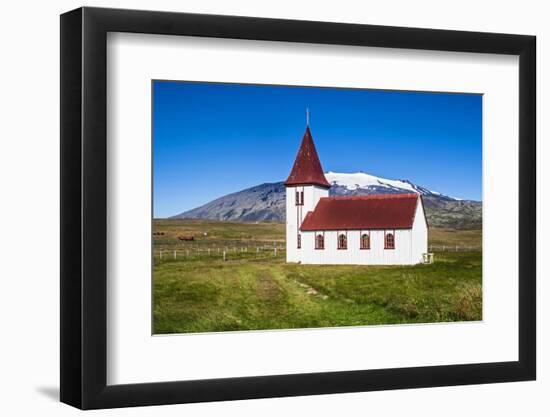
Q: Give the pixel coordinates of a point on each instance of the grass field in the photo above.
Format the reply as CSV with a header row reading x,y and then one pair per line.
x,y
256,289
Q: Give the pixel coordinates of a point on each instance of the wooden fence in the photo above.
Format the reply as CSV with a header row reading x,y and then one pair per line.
x,y
453,248
265,251
220,252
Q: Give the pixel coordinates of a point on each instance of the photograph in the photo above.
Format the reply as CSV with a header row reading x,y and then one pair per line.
x,y
292,207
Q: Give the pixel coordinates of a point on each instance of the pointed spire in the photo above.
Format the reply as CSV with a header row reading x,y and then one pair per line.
x,y
307,169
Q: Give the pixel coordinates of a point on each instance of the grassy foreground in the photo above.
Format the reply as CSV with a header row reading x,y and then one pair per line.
x,y
252,291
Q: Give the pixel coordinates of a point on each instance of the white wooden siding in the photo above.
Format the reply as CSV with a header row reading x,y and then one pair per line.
x,y
376,255
419,234
295,215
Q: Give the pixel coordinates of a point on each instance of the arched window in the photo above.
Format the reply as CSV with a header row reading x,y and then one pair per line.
x,y
299,241
319,242
301,198
297,198
365,241
389,241
342,241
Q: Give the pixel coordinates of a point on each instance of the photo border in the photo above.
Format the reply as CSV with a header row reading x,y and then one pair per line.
x,y
152,219
84,179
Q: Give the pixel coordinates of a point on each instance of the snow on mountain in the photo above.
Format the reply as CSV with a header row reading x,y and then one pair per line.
x,y
361,181
364,180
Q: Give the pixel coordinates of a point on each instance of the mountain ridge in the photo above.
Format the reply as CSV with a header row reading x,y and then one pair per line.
x,y
266,202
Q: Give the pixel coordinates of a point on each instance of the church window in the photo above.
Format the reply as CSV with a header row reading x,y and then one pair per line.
x,y
365,241
389,241
319,242
299,198
342,241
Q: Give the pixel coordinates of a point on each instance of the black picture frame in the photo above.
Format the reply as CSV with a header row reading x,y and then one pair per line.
x,y
84,207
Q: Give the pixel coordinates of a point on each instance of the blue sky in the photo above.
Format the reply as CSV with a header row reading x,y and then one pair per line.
x,y
213,139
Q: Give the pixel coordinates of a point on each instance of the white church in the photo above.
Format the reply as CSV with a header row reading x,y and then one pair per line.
x,y
388,229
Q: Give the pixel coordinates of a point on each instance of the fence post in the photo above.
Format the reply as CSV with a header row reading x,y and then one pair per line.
x,y
275,250
175,254
208,251
224,256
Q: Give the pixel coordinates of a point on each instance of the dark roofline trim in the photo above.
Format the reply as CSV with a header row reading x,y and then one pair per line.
x,y
303,184
359,230
375,196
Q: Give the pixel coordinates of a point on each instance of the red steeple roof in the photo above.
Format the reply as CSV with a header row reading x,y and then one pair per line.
x,y
307,168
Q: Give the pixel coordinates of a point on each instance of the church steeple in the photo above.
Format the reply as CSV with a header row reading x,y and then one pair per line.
x,y
307,169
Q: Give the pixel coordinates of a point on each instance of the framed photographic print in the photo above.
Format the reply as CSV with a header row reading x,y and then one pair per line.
x,y
257,208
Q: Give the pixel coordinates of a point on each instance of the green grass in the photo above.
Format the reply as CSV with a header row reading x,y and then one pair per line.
x,y
218,233
260,291
452,237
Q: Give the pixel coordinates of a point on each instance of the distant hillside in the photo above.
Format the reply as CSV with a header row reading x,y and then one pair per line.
x,y
266,202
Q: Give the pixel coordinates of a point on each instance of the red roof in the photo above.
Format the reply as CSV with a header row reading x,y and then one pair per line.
x,y
387,211
307,169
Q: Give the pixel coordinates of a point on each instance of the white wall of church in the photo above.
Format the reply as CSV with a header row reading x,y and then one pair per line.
x,y
296,214
419,234
376,255
410,244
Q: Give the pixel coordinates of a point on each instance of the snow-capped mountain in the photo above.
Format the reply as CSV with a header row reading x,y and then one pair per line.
x,y
363,183
266,202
